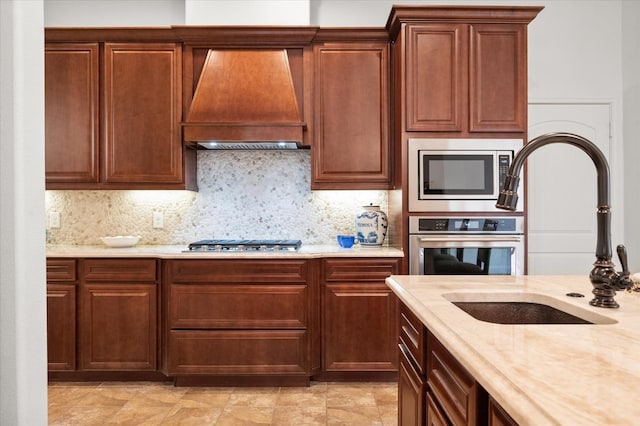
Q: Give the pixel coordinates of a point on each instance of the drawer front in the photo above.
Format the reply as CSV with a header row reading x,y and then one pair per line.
x,y
497,415
435,417
359,269
237,306
411,391
237,271
61,270
125,270
238,352
412,336
451,384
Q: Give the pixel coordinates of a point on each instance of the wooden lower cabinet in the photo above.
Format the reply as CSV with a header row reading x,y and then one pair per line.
x,y
238,318
61,314
359,317
118,314
446,394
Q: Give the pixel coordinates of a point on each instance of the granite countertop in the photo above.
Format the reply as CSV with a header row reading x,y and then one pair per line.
x,y
177,252
541,374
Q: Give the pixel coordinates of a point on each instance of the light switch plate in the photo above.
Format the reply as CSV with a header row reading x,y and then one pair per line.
x,y
54,219
158,220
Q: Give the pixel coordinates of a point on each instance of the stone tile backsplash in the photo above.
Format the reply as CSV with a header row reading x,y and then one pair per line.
x,y
242,194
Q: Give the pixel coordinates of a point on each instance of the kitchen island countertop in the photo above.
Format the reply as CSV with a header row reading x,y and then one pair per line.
x,y
178,252
540,374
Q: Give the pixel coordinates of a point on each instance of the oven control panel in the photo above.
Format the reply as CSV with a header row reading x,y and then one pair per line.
x,y
512,225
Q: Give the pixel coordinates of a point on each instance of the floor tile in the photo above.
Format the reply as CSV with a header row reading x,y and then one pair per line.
x,y
144,403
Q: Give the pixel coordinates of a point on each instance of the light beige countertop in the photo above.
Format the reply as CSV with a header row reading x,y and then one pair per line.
x,y
541,374
177,252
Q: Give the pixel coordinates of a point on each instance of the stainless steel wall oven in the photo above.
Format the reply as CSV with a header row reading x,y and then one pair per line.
x,y
466,245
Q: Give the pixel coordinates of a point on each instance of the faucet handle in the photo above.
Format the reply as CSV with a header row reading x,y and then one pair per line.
x,y
622,255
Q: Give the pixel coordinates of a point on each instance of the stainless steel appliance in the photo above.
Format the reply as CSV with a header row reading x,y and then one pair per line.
x,y
466,245
245,245
458,175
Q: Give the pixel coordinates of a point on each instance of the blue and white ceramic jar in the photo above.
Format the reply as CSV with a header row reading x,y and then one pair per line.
x,y
371,226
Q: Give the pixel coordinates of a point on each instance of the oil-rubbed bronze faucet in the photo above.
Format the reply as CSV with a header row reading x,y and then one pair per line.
x,y
603,276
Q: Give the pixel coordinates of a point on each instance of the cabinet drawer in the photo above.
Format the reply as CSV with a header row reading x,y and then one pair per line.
x,y
237,306
413,337
435,417
61,270
118,269
359,269
497,415
235,271
266,352
451,384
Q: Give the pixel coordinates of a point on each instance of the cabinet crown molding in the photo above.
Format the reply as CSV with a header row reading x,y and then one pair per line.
x,y
467,14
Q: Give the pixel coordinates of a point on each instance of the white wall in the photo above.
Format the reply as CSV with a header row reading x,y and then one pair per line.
x,y
23,342
113,13
253,12
631,129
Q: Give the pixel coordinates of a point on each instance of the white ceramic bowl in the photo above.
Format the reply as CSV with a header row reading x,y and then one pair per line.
x,y
121,241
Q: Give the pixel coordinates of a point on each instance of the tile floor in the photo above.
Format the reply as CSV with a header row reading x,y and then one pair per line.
x,y
137,403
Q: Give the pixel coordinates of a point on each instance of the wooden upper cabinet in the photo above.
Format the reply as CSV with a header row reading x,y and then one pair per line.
x,y
142,113
113,109
466,78
351,144
437,69
72,112
498,83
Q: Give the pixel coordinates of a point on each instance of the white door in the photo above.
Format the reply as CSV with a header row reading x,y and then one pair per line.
x,y
562,188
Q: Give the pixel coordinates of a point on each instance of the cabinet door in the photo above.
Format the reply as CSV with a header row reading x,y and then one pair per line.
x,y
411,394
437,76
61,326
118,326
498,86
360,316
71,113
351,147
142,113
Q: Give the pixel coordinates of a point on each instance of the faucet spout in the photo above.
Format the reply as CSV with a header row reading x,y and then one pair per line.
x,y
604,278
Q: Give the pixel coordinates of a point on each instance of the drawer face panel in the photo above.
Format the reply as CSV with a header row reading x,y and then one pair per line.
x,y
413,336
238,352
359,269
451,384
61,270
237,271
237,306
125,269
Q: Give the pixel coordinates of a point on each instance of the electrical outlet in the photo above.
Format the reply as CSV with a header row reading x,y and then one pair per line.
x,y
158,220
54,219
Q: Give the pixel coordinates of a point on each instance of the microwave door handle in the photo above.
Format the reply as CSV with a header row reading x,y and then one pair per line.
x,y
470,239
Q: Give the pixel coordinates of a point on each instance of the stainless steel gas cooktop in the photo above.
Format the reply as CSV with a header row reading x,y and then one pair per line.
x,y
245,245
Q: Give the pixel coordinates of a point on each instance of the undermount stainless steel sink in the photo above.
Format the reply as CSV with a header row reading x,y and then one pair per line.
x,y
523,308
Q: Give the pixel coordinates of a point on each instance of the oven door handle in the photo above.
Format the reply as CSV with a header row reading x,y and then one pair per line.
x,y
465,239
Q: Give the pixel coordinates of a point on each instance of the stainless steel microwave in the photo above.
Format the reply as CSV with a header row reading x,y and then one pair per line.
x,y
458,175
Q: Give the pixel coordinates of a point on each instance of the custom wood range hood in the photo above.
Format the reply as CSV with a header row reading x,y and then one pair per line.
x,y
244,99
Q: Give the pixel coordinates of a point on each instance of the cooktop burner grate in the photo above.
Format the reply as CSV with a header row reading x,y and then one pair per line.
x,y
245,245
